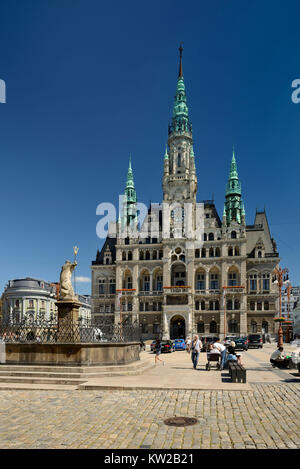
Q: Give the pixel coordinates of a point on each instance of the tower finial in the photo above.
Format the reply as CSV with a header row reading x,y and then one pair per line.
x,y
180,62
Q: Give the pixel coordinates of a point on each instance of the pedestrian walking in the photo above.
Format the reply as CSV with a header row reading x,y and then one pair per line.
x,y
196,348
188,344
222,349
157,348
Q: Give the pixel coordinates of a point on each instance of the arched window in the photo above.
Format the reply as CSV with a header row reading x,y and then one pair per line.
x,y
197,305
213,327
203,252
130,256
218,252
200,327
236,304
265,326
141,255
236,252
154,255
179,160
259,254
211,252
123,256
253,327
197,253
205,237
211,237
202,305
147,255
230,251
233,235
266,305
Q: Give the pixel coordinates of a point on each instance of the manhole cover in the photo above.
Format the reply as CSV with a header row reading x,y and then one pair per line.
x,y
180,421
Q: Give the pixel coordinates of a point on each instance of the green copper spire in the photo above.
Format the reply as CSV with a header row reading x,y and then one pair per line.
x,y
180,118
234,208
129,215
166,153
130,182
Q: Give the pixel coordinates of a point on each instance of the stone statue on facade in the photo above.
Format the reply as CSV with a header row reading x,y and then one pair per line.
x,y
66,288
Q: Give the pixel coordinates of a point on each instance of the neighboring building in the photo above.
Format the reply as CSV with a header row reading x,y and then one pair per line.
x,y
85,310
29,298
34,299
296,321
288,305
173,287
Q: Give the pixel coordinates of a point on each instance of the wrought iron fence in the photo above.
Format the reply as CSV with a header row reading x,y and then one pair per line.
x,y
69,332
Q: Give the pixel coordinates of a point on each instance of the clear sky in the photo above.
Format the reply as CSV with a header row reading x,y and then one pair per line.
x,y
89,82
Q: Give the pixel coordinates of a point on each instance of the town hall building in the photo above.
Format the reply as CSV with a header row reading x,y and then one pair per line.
x,y
216,282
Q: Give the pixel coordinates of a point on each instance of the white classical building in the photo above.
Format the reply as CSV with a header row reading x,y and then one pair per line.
x,y
33,299
29,298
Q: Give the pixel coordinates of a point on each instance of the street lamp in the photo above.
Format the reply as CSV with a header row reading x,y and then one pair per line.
x,y
280,278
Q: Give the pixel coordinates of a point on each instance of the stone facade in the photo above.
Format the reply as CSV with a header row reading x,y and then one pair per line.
x,y
218,284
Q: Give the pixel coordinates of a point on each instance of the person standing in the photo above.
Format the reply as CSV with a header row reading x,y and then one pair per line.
x,y
188,344
157,349
217,345
196,348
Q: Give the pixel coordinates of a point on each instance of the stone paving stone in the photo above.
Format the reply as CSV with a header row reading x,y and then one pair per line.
x,y
267,417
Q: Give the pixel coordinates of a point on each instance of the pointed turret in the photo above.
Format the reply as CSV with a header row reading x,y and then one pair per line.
x,y
234,208
129,202
180,180
180,118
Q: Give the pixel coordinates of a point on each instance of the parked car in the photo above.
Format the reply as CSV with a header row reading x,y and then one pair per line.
x,y
255,340
207,341
229,339
166,346
179,344
241,343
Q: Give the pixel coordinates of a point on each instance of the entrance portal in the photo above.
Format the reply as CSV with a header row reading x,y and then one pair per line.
x,y
177,329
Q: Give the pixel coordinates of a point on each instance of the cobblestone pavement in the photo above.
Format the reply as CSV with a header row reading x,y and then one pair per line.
x,y
266,417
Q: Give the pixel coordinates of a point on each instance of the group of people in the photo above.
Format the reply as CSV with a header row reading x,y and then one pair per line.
x,y
226,354
194,347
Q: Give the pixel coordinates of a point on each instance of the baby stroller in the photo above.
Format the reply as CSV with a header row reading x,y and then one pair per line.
x,y
213,357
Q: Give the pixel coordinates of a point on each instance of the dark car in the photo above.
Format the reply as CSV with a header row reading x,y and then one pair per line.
x,y
241,343
166,346
255,341
207,341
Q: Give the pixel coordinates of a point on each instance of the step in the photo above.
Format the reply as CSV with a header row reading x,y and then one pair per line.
x,y
62,375
36,387
24,380
73,369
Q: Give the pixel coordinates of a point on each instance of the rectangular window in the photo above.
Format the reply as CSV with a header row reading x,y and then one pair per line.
x,y
214,282
266,282
200,284
232,279
253,283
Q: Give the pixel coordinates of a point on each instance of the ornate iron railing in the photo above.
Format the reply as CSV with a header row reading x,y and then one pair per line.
x,y
53,332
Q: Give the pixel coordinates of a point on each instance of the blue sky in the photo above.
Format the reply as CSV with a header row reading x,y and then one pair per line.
x,y
89,82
